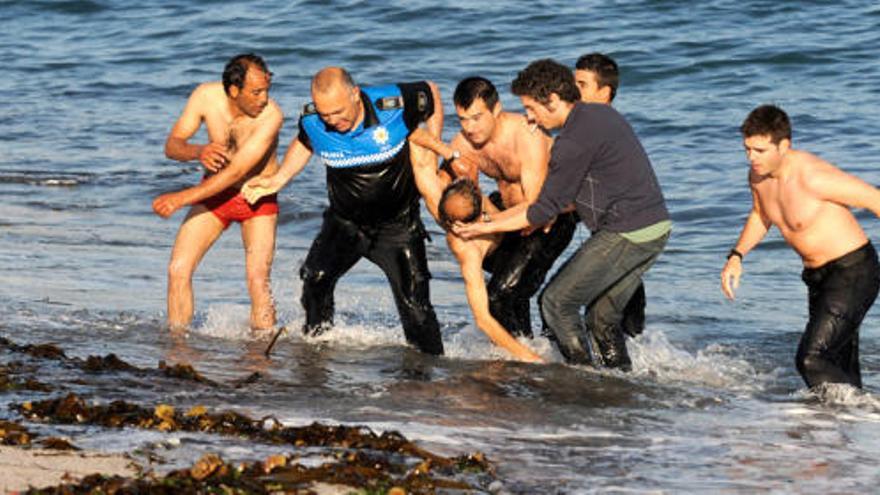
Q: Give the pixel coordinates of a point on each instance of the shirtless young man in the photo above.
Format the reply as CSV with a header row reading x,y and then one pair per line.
x,y
459,200
808,200
506,148
243,125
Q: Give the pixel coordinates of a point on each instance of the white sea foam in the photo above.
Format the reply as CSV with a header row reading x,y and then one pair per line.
x,y
472,344
858,404
226,321
653,355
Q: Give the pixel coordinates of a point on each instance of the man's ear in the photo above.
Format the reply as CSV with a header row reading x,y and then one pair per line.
x,y
496,110
605,94
553,102
784,145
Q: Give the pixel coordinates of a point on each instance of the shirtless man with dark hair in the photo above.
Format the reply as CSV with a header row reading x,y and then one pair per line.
x,y
243,125
506,148
809,201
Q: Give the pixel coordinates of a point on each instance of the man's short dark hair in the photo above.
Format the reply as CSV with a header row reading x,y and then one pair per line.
x,y
468,90
470,191
237,67
604,67
767,120
543,77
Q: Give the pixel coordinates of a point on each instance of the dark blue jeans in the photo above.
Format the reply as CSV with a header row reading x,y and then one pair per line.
x,y
602,275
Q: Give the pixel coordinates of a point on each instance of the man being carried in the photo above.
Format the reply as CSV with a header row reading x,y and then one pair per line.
x,y
360,134
808,200
459,200
243,125
598,164
505,147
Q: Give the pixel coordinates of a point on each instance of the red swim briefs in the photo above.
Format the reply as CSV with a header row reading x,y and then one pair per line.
x,y
230,206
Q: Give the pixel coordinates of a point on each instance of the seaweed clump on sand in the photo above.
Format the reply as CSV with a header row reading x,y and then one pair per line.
x,y
14,434
364,459
277,474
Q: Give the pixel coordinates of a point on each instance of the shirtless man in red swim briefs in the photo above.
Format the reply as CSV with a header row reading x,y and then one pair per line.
x,y
243,125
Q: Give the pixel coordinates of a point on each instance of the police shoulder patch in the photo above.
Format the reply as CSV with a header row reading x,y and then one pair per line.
x,y
390,103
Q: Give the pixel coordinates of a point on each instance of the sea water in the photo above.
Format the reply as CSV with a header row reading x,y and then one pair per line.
x,y
91,88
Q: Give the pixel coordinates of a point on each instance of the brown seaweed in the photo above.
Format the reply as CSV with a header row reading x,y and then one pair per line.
x,y
357,440
14,434
9,383
56,443
278,474
110,362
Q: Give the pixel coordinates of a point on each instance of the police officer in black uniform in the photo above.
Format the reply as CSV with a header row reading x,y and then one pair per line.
x,y
360,134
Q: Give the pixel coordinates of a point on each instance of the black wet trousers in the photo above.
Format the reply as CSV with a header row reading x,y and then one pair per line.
x,y
840,294
398,248
519,266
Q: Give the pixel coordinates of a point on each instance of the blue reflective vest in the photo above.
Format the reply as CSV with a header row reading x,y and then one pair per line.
x,y
364,145
369,175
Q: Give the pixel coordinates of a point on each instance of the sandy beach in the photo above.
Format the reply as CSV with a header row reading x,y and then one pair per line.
x,y
22,468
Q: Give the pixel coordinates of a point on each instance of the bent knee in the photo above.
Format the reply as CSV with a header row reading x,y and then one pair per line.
x,y
180,270
808,362
549,300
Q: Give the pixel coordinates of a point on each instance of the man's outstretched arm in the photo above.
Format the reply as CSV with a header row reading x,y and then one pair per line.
x,y
756,227
295,160
478,298
832,184
429,181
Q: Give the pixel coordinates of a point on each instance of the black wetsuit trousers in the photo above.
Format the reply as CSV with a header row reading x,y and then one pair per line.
x,y
840,294
519,266
398,248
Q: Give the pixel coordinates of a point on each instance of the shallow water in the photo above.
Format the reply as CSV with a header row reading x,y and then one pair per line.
x,y
714,404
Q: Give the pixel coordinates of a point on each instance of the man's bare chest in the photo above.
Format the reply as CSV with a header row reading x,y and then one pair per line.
x,y
501,167
789,208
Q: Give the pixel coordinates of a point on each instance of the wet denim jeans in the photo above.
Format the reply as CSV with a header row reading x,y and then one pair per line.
x,y
602,276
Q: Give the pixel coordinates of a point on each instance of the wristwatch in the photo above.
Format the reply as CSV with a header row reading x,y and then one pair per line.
x,y
455,155
733,252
